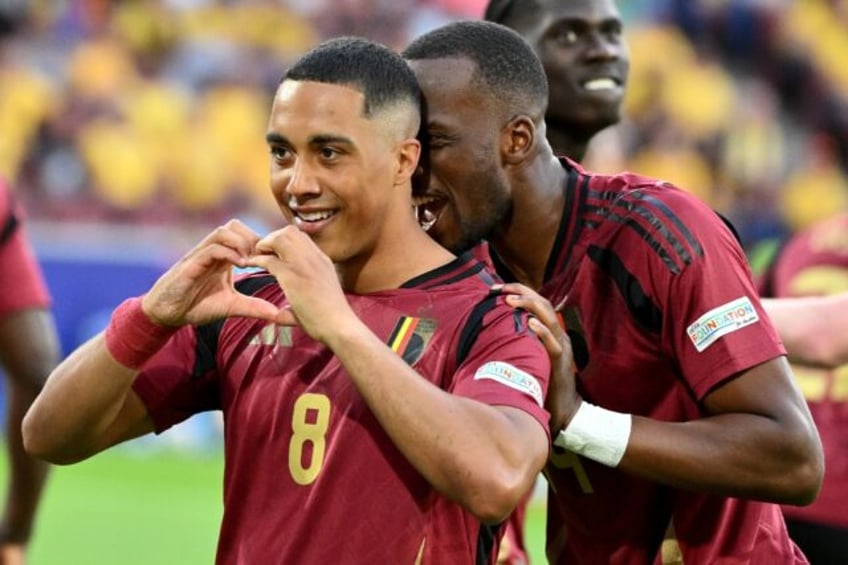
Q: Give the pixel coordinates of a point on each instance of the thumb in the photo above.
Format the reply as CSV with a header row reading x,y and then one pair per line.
x,y
252,307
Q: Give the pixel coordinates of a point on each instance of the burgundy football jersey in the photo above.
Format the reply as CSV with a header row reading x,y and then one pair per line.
x,y
310,475
22,285
657,298
816,262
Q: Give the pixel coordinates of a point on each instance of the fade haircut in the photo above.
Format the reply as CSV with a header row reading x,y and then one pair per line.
x,y
506,12
505,63
379,73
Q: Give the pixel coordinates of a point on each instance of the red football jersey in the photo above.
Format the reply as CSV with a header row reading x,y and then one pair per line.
x,y
658,300
310,475
816,262
22,285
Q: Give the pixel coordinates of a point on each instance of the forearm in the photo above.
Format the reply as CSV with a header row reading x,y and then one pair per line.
x,y
72,417
742,455
814,329
470,452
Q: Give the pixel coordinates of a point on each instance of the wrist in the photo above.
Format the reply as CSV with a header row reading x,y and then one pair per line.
x,y
132,337
597,433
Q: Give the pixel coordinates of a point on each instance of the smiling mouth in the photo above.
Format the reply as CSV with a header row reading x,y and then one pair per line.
x,y
428,209
601,83
312,217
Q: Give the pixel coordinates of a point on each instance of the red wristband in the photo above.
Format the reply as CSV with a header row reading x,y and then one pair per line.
x,y
131,337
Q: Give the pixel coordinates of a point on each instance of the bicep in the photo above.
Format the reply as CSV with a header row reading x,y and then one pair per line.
x,y
528,432
132,421
767,389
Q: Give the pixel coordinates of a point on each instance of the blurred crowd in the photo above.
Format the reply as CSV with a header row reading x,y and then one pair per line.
x,y
154,111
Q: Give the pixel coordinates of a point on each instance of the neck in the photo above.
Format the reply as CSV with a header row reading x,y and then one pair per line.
x,y
568,142
399,256
524,242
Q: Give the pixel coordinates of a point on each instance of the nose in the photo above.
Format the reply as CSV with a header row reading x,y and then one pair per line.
x,y
602,48
303,181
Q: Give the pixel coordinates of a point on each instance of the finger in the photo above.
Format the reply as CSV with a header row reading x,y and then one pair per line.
x,y
286,317
549,340
239,240
216,253
535,305
269,262
253,307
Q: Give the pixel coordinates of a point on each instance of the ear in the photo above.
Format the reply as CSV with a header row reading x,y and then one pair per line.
x,y
518,138
408,154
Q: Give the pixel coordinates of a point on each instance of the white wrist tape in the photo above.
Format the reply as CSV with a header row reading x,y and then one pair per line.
x,y
597,434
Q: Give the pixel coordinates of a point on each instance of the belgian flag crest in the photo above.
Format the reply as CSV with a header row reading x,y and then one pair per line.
x,y
410,337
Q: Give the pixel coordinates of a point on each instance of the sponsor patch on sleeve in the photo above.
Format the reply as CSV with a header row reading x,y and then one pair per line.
x,y
721,321
512,377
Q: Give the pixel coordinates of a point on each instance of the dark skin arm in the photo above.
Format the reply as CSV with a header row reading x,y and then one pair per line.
x,y
758,441
29,349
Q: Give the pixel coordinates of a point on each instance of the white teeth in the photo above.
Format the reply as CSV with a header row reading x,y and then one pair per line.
x,y
427,219
314,216
600,84
422,200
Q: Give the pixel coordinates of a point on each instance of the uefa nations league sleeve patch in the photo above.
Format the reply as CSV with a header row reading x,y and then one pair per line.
x,y
721,321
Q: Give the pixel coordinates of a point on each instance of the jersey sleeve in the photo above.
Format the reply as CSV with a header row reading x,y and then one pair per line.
x,y
507,365
176,382
22,284
714,323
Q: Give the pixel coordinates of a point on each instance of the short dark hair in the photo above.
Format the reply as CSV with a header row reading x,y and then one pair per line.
x,y
506,11
379,73
505,62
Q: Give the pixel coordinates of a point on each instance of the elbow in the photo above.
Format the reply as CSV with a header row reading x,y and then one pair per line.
x,y
39,443
802,481
497,496
496,507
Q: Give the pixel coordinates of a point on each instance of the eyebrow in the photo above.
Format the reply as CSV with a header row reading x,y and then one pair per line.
x,y
318,139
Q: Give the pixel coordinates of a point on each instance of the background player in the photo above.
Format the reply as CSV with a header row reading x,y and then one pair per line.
x,y
350,455
29,350
717,414
815,262
584,53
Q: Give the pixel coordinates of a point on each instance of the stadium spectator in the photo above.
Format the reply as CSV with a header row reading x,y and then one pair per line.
x,y
29,350
656,295
814,264
397,387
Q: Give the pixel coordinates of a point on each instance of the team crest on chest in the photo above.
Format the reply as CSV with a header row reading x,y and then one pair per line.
x,y
410,337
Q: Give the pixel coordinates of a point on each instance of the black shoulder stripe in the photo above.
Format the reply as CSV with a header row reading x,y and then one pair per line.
x,y
472,327
486,543
668,213
9,227
642,308
629,222
472,269
206,348
731,227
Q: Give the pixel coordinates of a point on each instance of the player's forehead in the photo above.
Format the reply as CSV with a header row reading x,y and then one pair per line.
x,y
590,12
448,84
301,108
